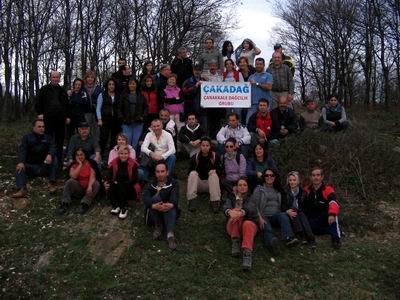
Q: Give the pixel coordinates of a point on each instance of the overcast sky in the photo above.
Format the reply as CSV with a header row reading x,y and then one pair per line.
x,y
256,22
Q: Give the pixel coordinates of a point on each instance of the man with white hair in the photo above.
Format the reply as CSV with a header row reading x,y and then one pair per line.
x,y
52,107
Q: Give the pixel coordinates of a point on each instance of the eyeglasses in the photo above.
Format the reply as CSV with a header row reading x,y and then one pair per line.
x,y
269,175
229,146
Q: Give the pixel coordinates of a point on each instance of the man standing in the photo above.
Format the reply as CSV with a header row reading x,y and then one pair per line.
x,y
286,59
191,91
210,54
161,204
36,157
261,84
284,121
159,145
260,124
283,84
52,107
182,66
321,207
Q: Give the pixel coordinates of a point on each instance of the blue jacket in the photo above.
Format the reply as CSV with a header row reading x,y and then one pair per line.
x,y
34,148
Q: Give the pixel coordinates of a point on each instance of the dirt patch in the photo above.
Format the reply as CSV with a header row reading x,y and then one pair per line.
x,y
20,203
109,247
43,261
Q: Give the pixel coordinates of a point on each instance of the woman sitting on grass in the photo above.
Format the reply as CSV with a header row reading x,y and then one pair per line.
x,y
256,165
82,183
120,182
334,116
238,225
293,205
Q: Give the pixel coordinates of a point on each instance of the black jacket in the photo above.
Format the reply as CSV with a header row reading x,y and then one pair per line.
x,y
132,112
52,100
286,118
183,68
187,134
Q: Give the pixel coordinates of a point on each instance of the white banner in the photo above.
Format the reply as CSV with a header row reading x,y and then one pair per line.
x,y
225,94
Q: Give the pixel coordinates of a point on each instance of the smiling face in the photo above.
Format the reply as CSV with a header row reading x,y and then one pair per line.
x,y
263,107
233,121
229,147
149,82
259,65
121,141
246,45
229,66
259,152
123,154
243,63
90,80
269,178
80,156
333,102
156,127
164,116
192,121
293,182
55,77
149,68
171,81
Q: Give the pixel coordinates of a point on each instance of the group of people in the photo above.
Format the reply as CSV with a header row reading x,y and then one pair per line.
x,y
126,137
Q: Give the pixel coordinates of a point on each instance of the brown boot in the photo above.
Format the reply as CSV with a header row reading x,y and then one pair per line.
x,y
52,188
20,194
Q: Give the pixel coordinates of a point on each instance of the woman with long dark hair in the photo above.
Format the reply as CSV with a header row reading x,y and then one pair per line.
x,y
267,202
147,70
132,111
247,49
228,51
108,117
83,183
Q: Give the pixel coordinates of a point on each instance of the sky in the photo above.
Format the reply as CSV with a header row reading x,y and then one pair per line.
x,y
256,22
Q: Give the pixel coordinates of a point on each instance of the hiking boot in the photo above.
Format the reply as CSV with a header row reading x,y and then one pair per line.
x,y
275,246
291,241
235,247
215,206
171,243
157,232
62,209
192,205
84,208
115,210
247,259
123,214
52,188
336,244
312,245
20,194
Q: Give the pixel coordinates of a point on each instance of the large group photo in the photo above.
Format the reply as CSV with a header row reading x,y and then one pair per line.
x,y
233,168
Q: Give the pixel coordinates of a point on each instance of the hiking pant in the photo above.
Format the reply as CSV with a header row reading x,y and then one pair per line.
x,y
120,193
319,225
196,185
73,189
280,219
165,219
245,229
43,169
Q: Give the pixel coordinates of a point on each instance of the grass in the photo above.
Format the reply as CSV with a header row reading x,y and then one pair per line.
x,y
202,268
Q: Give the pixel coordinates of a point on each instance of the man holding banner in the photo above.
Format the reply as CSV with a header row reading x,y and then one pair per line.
x,y
261,85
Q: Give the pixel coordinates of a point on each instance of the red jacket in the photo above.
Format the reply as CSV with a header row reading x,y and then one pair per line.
x,y
321,200
132,169
151,99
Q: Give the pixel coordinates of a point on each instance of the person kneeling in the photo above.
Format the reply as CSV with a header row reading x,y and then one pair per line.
x,y
161,204
239,224
120,182
203,176
82,183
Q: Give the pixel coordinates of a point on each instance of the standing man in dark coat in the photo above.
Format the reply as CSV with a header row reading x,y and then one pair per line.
x,y
182,66
52,107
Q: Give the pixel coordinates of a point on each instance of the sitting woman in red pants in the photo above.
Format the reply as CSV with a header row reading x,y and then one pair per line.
x,y
238,225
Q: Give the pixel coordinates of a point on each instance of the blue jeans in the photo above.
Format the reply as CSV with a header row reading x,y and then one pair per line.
x,y
283,221
319,225
133,132
171,163
165,219
37,170
145,172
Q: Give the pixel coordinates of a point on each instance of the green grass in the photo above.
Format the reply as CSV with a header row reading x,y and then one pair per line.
x,y
202,268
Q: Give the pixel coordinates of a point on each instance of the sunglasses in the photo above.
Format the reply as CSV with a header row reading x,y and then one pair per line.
x,y
229,146
269,175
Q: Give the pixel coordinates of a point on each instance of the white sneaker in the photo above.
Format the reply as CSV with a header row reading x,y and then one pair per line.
x,y
115,211
123,214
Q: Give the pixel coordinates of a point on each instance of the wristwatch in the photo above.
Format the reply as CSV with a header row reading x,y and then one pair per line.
x,y
257,84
